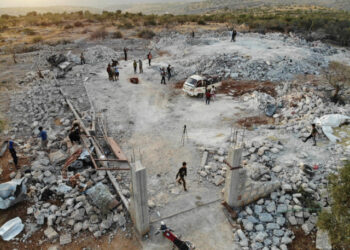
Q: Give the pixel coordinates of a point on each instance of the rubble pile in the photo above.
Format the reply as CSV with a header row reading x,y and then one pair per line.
x,y
100,53
65,205
239,65
266,222
65,208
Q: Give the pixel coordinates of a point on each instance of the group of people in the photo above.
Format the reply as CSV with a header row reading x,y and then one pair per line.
x,y
140,66
74,136
11,144
113,71
164,72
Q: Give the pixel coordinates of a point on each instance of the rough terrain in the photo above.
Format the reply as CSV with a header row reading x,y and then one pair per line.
x,y
147,120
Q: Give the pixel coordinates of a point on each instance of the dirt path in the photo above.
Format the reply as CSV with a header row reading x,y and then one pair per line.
x,y
151,117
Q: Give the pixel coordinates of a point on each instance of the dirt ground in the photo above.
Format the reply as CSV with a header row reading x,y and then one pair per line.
x,y
148,119
302,241
7,168
238,88
251,122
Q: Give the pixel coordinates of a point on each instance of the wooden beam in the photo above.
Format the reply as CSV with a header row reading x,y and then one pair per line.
x,y
99,154
116,149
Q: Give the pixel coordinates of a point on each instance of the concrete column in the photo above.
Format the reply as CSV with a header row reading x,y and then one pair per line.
x,y
235,179
139,198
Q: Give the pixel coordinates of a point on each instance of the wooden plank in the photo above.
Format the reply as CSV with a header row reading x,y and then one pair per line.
x,y
116,149
99,154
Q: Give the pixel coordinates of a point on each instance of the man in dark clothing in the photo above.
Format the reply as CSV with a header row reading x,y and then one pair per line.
x,y
169,71
74,134
110,73
11,146
234,34
140,66
180,176
192,34
126,54
114,63
149,57
135,66
162,73
207,96
82,58
43,136
313,134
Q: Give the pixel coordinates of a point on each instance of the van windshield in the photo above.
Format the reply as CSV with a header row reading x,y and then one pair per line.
x,y
191,82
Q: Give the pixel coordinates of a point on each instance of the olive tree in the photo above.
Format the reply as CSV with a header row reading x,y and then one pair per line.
x,y
338,76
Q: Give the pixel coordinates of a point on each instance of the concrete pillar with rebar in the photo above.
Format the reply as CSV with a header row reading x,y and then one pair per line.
x,y
139,198
235,177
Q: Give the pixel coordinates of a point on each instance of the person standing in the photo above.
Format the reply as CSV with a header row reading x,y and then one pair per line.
x,y
313,134
126,54
110,73
212,92
82,58
140,66
234,34
180,176
43,136
74,134
162,73
135,66
149,57
11,147
207,96
169,71
116,73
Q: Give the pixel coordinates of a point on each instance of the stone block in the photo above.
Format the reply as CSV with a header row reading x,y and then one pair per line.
x,y
322,240
65,239
50,233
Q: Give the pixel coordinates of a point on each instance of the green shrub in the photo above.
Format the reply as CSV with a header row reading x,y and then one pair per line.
x,y
201,22
117,35
37,39
78,24
68,27
3,28
337,222
146,34
29,32
126,25
99,34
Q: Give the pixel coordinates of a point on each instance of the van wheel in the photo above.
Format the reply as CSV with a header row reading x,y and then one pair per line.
x,y
200,95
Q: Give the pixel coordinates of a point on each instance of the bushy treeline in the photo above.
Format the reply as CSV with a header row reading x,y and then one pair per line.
x,y
334,25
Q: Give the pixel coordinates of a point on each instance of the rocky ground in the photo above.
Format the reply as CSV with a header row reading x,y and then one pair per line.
x,y
147,120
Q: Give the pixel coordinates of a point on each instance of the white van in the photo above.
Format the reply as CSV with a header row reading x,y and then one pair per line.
x,y
195,85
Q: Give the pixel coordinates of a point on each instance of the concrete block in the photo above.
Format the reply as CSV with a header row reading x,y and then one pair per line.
x,y
139,199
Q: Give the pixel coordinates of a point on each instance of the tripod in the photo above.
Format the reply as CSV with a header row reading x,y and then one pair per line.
x,y
184,136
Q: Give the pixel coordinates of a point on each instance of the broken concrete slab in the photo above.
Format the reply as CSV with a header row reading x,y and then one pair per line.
x,y
50,233
65,239
57,157
102,197
11,229
322,240
12,192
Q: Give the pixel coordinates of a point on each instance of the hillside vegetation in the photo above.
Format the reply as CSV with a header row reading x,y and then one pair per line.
x,y
199,7
313,23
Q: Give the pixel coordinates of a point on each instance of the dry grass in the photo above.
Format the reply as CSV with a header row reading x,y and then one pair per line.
x,y
101,33
37,39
